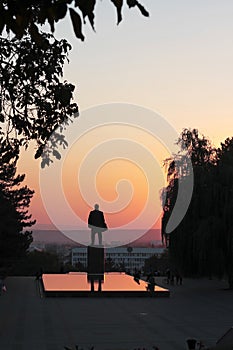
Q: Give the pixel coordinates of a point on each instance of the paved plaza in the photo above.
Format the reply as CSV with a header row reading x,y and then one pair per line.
x,y
202,309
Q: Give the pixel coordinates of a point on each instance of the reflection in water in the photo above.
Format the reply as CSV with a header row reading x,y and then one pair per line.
x,y
80,281
95,279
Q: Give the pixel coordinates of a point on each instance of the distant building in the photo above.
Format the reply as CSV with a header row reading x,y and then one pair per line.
x,y
121,256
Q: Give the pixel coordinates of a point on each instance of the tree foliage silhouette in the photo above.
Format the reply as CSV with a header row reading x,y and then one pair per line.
x,y
14,217
34,100
202,244
22,17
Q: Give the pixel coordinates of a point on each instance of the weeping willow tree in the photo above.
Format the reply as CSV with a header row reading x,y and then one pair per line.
x,y
202,244
197,149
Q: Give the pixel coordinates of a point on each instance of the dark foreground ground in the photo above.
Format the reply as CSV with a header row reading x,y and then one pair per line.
x,y
202,309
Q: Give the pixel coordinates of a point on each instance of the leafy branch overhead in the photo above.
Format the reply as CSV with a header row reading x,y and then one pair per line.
x,y
34,101
21,17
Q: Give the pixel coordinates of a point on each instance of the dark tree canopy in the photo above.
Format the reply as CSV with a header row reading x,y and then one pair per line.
x,y
13,242
202,244
14,217
34,101
24,16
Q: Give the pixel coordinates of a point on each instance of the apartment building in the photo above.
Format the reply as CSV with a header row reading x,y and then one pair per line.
x,y
129,257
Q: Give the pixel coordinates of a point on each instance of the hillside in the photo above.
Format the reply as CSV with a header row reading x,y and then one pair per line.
x,y
57,237
51,237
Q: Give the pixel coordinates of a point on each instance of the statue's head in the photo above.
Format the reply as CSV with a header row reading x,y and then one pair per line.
x,y
96,206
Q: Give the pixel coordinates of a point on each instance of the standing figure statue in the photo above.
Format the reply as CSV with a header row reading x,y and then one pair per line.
x,y
97,224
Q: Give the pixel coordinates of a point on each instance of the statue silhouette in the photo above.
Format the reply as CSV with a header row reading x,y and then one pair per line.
x,y
97,224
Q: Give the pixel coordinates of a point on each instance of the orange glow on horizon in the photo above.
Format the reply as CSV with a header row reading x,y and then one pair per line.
x,y
106,180
132,195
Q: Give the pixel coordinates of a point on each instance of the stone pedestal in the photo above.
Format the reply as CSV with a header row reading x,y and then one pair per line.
x,y
95,263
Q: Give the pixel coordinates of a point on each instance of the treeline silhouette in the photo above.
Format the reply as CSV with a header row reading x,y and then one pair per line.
x,y
202,244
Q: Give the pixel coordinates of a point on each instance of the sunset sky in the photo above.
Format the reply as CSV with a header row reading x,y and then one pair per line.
x,y
177,63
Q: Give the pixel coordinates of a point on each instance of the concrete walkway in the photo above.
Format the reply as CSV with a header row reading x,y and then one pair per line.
x,y
200,308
